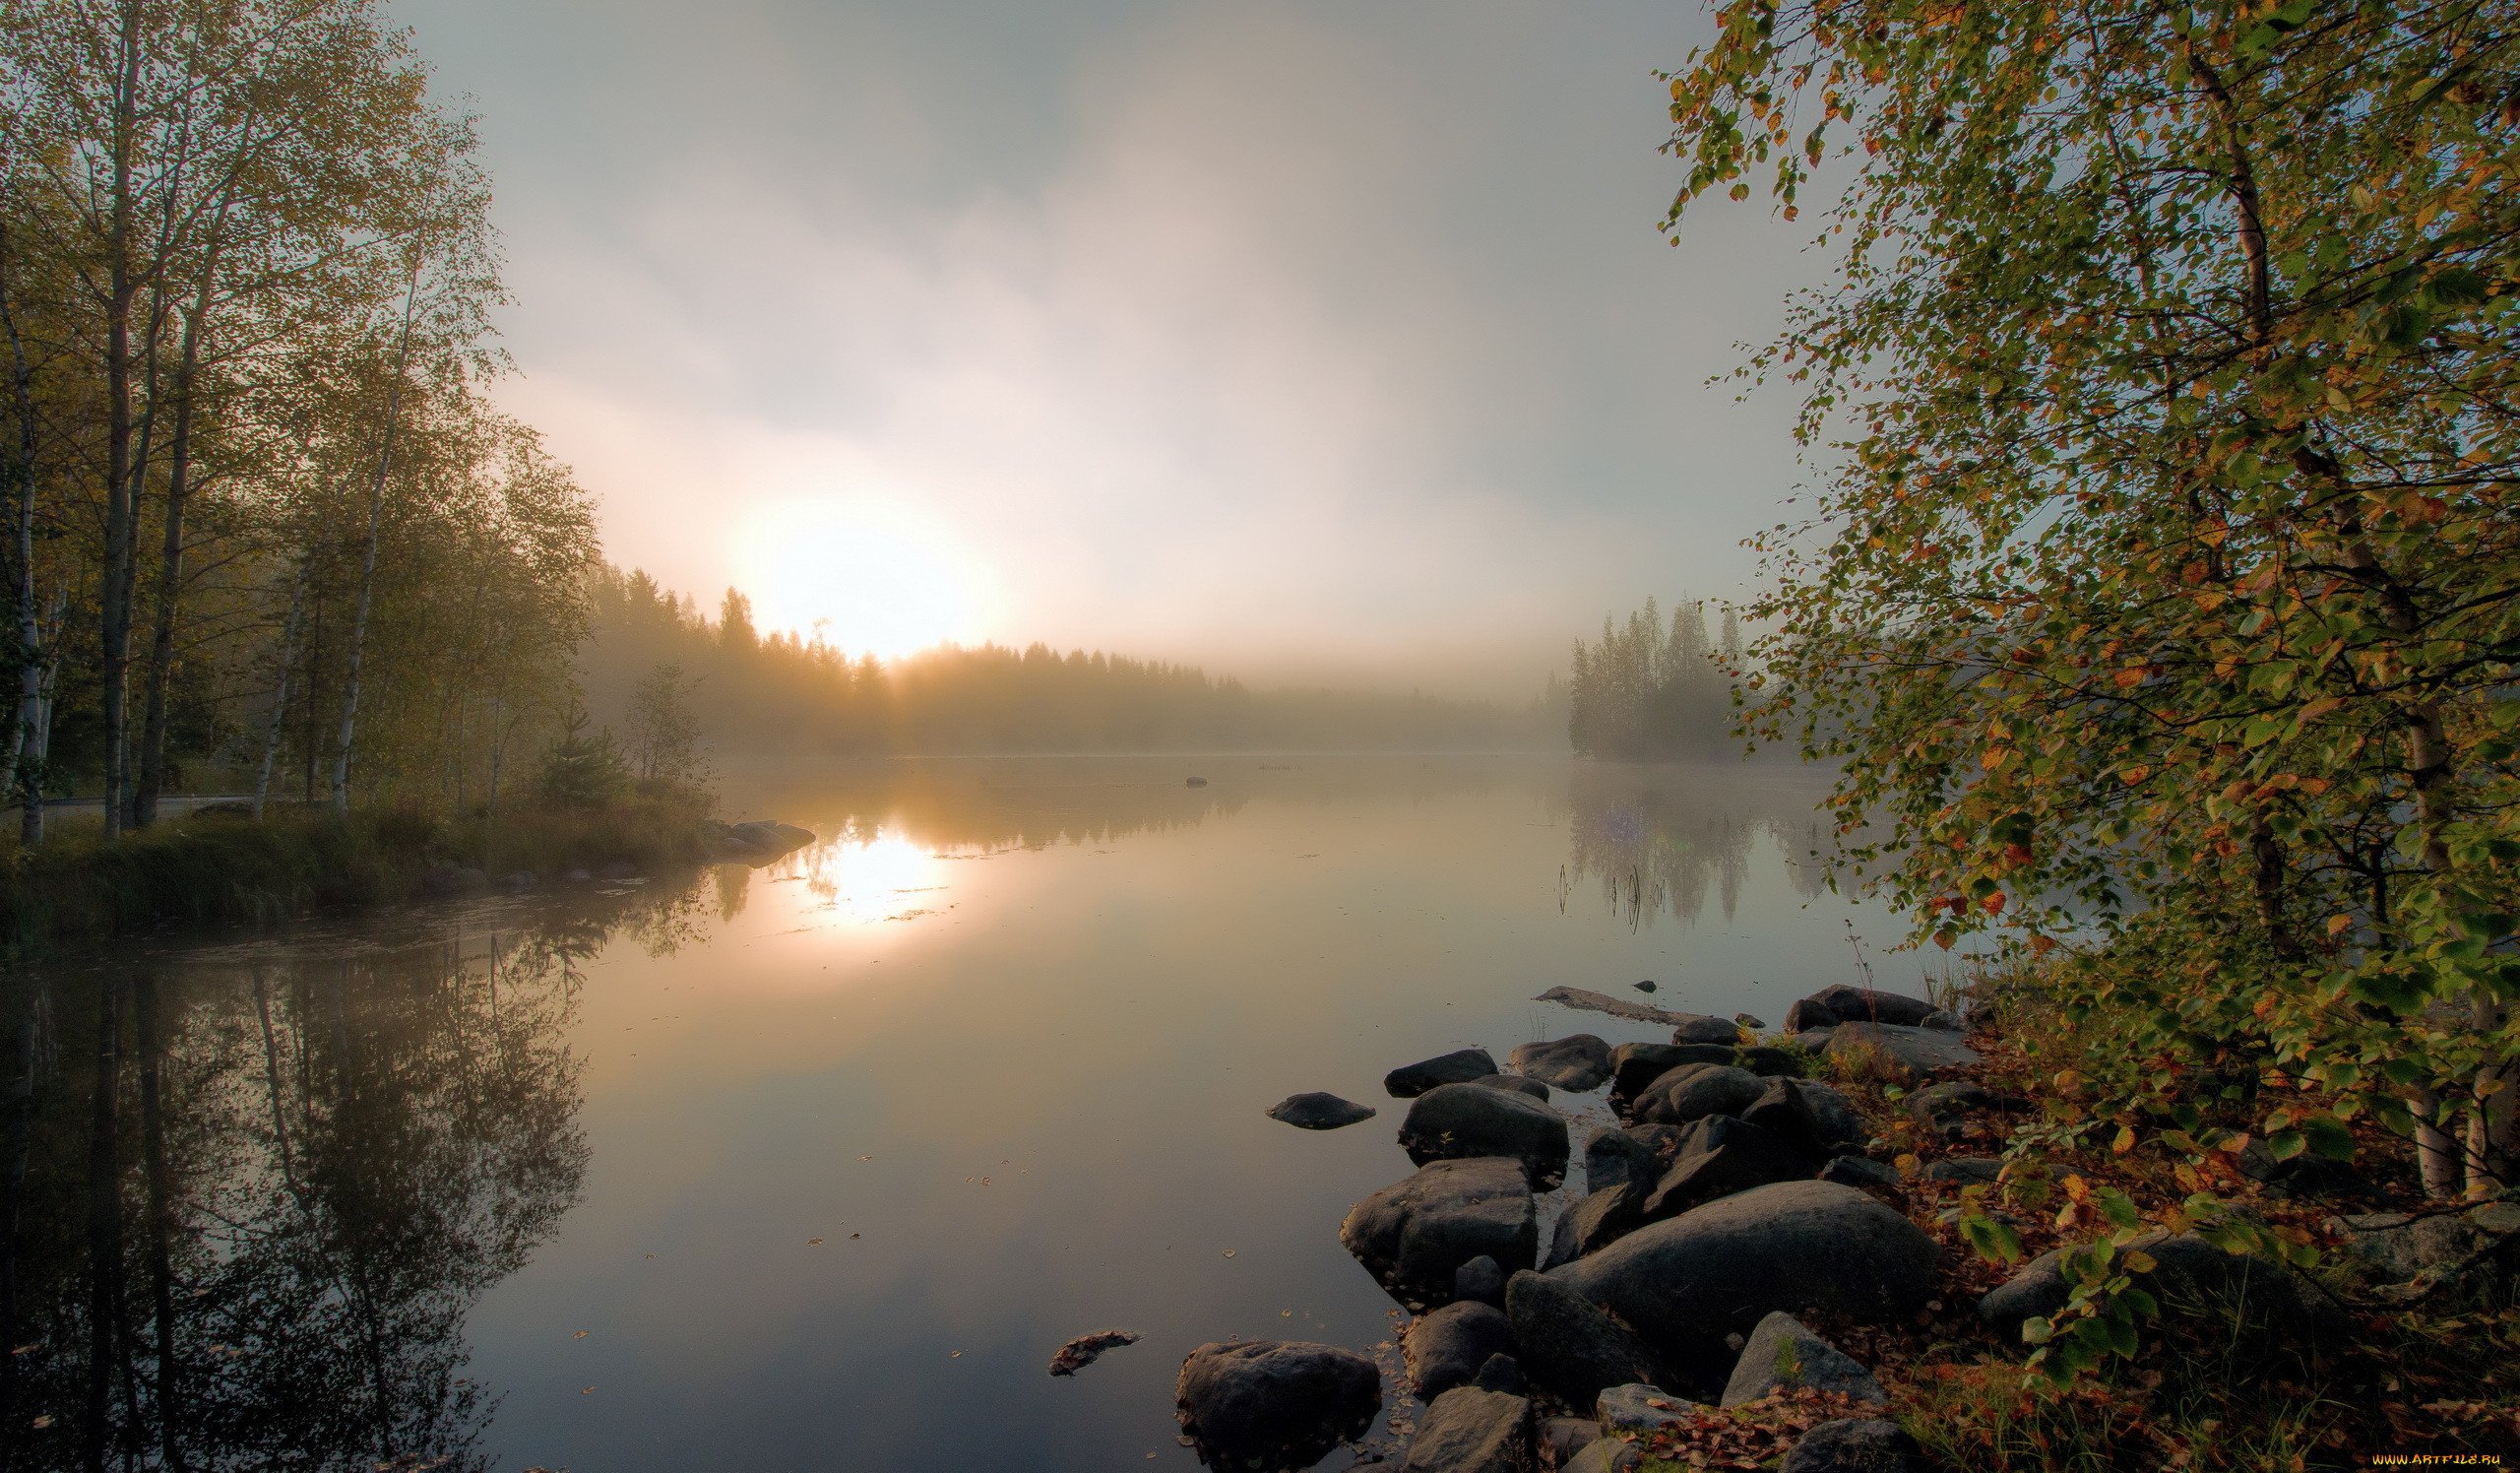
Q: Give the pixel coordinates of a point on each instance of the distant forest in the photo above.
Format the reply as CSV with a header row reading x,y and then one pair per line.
x,y
655,657
1650,689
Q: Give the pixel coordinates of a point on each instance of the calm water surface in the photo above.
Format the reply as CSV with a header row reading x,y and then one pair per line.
x,y
812,1165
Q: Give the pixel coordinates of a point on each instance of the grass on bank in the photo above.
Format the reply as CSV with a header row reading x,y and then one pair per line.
x,y
221,867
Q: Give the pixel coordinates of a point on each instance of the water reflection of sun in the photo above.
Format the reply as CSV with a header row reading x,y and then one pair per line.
x,y
882,878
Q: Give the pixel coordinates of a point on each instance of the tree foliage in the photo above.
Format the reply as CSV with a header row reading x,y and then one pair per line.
x,y
2164,590
1647,690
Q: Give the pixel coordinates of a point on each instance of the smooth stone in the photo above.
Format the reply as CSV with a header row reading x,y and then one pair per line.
x,y
1782,1353
1578,1062
1769,1062
1748,1021
2187,1273
1964,1171
1806,1016
1854,1004
1414,1235
1317,1110
2399,1248
1502,1372
1684,1283
1445,1348
1940,1108
1840,1120
1482,1279
1597,1222
1607,1455
1457,1068
1472,1431
1861,1172
1258,1406
1699,1028
1696,1091
1568,1346
1635,1066
1613,1158
1617,1008
1559,1438
1854,1446
1721,1161
1785,1111
1946,1020
1518,1084
1455,1122
1640,1407
1910,1051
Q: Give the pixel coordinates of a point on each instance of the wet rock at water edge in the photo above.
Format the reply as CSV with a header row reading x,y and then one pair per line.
x,y
1086,1349
1578,1062
1854,1446
1698,1028
1568,1346
1482,1279
1472,1431
1907,1052
1748,1021
1414,1235
1643,1408
1595,1222
1782,1353
1446,1347
1529,1088
1455,1122
1457,1068
1634,1067
1318,1111
1613,1157
1645,986
1695,1091
1259,1406
1854,1004
1684,1283
1617,1008
1807,1016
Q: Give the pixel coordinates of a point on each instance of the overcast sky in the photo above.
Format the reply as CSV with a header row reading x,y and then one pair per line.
x,y
1327,339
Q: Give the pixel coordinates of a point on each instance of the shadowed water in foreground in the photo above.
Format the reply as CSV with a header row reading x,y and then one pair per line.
x,y
815,1166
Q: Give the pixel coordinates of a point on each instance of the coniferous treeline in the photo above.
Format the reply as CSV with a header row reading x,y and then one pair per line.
x,y
751,692
1647,690
259,517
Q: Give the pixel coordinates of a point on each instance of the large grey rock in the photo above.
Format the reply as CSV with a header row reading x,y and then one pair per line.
x,y
1578,1062
1454,1122
1907,1052
1471,1431
1482,1279
1501,1372
1768,1062
1698,1028
1685,1283
1445,1347
1597,1222
1258,1406
1517,1083
1782,1353
1607,1455
1568,1346
1559,1438
1457,1068
1635,1066
1414,1235
1316,1111
1852,1004
1944,1108
2190,1275
1696,1091
1861,1172
1947,1021
1809,1015
1642,1408
1854,1446
2402,1247
1743,1156
1785,1111
1840,1120
1613,1157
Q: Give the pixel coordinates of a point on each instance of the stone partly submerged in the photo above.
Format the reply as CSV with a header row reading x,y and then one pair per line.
x,y
1445,1348
1455,1122
1578,1062
1568,1346
1685,1283
1617,1008
1317,1110
754,843
1414,1235
1086,1349
1459,1067
1260,1406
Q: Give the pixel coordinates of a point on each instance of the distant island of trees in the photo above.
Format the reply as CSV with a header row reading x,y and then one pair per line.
x,y
1648,689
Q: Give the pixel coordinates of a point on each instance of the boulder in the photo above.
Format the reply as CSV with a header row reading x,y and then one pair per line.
x,y
1316,1111
1747,1157
1578,1062
1748,1021
1457,1068
2397,1247
1861,1172
1807,1015
1943,1107
1964,1171
1695,1091
1613,1158
1529,1088
1782,1353
1482,1279
1840,1121
1258,1406
1635,1066
1597,1222
1454,1122
1852,1004
1642,1408
1471,1431
1414,1235
1907,1052
1785,1111
1685,1283
1698,1028
1768,1062
1445,1348
1559,1438
1501,1372
1853,1444
1568,1346
1607,1455
2188,1274
1946,1020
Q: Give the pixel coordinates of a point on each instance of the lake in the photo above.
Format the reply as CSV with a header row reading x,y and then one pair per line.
x,y
813,1166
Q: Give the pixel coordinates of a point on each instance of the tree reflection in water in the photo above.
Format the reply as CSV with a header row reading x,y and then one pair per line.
x,y
316,1157
1665,838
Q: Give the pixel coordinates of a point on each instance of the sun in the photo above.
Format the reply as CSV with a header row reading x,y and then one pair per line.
x,y
865,579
